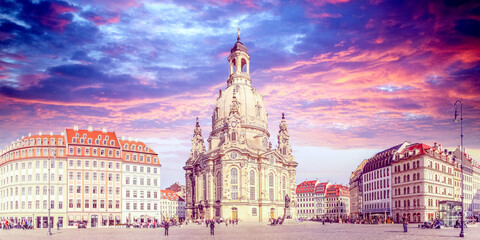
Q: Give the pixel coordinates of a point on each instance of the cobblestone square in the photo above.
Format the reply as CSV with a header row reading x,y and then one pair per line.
x,y
306,230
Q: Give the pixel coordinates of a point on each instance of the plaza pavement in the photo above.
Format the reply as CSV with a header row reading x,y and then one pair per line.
x,y
250,231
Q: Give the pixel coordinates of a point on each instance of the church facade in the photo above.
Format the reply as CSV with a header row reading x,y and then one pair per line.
x,y
239,175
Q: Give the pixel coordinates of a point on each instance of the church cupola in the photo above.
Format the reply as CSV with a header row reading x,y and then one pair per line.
x,y
239,64
197,141
283,138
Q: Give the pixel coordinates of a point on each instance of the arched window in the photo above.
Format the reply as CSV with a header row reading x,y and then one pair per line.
x,y
252,185
234,173
205,187
234,182
234,136
219,186
271,187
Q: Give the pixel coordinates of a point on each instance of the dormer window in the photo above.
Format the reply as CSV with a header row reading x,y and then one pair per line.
x,y
112,143
82,140
77,135
139,148
97,141
133,147
74,140
99,137
146,149
52,141
60,141
89,141
84,135
125,146
106,137
104,142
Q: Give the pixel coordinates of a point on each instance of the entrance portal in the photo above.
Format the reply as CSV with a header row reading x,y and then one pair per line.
x,y
272,212
94,220
234,213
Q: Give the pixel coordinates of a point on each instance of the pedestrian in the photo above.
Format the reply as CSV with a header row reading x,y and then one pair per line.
x,y
166,228
323,221
58,225
212,228
405,223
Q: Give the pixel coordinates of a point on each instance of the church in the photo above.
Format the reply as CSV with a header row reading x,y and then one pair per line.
x,y
239,175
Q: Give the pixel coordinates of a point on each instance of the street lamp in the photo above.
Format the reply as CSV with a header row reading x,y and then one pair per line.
x,y
459,104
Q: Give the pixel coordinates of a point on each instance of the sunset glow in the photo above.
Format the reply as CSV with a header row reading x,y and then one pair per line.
x,y
352,77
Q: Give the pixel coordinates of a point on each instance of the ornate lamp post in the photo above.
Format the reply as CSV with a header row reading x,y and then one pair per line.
x,y
459,104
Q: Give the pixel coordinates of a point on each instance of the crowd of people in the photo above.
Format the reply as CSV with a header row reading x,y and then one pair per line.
x,y
24,224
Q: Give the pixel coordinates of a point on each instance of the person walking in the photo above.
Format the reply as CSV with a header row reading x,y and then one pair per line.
x,y
212,228
166,228
58,225
405,223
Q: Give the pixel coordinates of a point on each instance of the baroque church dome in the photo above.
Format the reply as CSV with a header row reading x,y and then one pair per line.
x,y
249,102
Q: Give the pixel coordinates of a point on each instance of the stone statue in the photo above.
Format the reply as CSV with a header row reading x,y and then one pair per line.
x,y
287,201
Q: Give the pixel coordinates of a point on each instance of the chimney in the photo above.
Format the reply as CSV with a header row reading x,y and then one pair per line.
x,y
136,139
29,134
62,133
40,133
104,129
75,127
90,128
123,138
51,133
129,138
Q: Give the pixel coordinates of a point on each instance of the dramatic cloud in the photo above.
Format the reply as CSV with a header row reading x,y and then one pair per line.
x,y
352,77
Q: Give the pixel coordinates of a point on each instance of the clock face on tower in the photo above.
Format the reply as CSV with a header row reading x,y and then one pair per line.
x,y
234,124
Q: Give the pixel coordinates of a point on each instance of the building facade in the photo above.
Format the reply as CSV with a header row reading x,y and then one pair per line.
x,y
240,175
356,192
377,188
422,177
94,177
173,206
311,199
141,182
306,200
27,167
84,171
337,202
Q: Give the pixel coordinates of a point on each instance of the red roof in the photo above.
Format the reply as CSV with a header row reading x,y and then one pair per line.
x,y
337,190
321,187
170,195
417,146
307,187
104,138
131,148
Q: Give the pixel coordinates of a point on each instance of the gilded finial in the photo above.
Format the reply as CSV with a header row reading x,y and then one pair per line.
x,y
238,33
